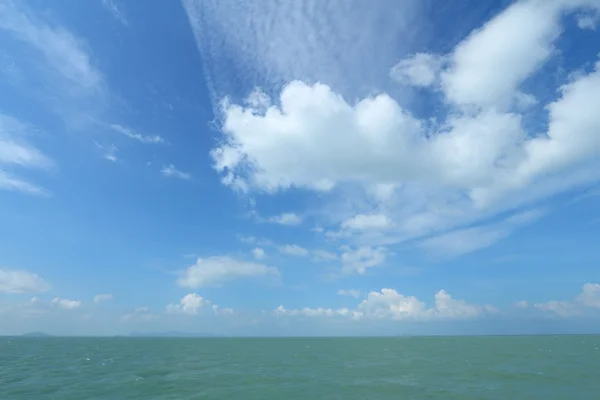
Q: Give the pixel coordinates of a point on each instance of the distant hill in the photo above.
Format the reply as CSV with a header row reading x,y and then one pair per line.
x,y
36,334
172,334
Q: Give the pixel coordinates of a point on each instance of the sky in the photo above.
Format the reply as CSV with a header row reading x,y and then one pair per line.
x,y
299,168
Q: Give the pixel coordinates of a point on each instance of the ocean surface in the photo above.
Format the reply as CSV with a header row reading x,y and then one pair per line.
x,y
527,367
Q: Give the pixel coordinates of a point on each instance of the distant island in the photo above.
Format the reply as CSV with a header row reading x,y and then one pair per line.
x,y
173,334
36,334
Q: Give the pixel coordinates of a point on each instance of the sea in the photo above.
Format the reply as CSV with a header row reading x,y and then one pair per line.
x,y
475,367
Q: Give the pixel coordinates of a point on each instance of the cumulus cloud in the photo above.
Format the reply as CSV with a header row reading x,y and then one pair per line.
x,y
18,281
424,175
590,295
367,222
588,301
312,312
259,253
191,303
422,69
587,21
358,260
140,314
388,304
320,255
102,297
286,219
293,250
213,271
350,292
66,303
222,311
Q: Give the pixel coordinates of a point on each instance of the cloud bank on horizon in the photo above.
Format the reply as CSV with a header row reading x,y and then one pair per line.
x,y
362,159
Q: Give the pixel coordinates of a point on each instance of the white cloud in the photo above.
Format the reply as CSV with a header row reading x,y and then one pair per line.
x,y
275,41
14,148
422,69
258,253
116,11
293,250
137,136
588,20
140,314
13,183
286,219
18,281
447,307
350,292
560,308
171,172
312,312
358,260
102,297
17,152
388,304
466,240
191,303
488,67
64,74
434,182
324,255
584,303
590,295
217,270
61,49
66,303
222,311
108,152
367,222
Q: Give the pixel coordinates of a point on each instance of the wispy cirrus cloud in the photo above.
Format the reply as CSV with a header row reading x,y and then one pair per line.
x,y
56,69
60,70
18,153
116,11
130,133
170,171
109,152
467,240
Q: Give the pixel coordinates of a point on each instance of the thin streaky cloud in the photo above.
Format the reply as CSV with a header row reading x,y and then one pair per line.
x,y
116,11
130,133
171,172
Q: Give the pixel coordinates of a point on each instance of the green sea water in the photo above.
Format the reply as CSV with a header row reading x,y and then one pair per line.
x,y
528,367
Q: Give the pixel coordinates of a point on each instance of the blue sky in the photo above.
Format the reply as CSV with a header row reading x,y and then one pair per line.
x,y
314,168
